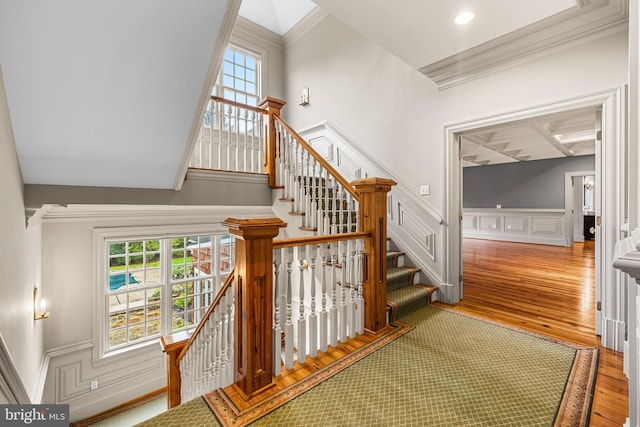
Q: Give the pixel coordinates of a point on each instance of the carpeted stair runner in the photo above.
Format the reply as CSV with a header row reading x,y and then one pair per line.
x,y
403,295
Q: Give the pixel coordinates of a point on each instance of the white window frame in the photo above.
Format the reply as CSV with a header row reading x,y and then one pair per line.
x,y
260,71
102,237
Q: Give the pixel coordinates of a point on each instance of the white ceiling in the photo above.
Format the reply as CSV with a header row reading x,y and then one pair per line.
x,y
421,32
278,16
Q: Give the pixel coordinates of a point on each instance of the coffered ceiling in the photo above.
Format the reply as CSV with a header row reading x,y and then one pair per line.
x,y
561,135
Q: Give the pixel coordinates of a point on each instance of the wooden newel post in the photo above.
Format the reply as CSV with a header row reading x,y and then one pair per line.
x,y
254,302
272,106
172,346
373,219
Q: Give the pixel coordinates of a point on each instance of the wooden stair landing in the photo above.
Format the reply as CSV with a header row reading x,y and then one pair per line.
x,y
232,409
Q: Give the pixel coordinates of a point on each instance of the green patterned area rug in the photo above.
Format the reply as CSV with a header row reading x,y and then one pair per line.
x,y
451,370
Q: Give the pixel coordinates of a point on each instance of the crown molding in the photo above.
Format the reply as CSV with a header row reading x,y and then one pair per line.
x,y
310,20
257,34
587,21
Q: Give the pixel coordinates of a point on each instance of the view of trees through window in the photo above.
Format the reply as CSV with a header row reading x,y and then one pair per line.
x,y
160,286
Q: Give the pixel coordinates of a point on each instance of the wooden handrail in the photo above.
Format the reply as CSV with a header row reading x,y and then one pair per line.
x,y
319,158
227,284
237,104
306,240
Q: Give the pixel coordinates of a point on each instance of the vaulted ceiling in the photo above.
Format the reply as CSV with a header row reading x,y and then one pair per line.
x,y
107,93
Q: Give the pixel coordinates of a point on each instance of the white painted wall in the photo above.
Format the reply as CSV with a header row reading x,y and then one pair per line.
x,y
392,110
18,268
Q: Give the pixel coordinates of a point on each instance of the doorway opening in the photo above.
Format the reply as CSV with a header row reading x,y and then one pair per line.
x,y
610,184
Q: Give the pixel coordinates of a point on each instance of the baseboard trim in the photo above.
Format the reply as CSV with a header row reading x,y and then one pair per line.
x,y
133,403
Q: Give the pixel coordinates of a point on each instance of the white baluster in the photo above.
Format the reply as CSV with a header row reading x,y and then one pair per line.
x,y
333,311
360,300
352,305
277,329
313,209
288,327
245,152
313,318
307,192
236,131
302,323
229,338
219,129
323,299
342,310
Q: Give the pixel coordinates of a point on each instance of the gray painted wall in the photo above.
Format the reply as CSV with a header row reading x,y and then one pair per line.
x,y
215,189
533,184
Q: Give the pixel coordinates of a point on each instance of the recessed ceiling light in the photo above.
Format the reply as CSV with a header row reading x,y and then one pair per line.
x,y
465,17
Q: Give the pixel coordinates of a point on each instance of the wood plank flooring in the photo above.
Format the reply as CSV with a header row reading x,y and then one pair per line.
x,y
549,290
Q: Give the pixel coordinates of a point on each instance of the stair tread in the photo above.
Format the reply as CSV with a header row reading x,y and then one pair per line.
x,y
410,298
400,277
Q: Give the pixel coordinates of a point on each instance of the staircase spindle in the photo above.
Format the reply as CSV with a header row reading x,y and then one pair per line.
x,y
288,327
360,298
302,323
323,298
352,305
342,310
313,318
333,311
277,329
313,209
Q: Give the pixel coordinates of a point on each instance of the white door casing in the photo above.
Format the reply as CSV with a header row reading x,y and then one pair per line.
x,y
611,200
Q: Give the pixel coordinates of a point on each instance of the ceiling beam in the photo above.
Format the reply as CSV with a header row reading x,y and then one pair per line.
x,y
501,149
548,137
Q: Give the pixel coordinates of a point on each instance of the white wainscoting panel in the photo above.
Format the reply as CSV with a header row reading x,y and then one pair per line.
x,y
542,226
120,377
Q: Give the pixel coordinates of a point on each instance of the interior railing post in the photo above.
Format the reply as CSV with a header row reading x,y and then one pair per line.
x,y
172,346
254,302
272,106
372,193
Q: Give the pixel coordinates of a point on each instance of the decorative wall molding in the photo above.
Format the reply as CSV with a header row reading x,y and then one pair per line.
x,y
126,375
414,226
74,213
10,382
541,226
589,20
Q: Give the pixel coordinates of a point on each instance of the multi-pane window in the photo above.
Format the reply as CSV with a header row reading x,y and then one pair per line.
x,y
238,79
159,286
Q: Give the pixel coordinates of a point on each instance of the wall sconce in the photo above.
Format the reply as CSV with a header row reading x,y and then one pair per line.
x,y
39,307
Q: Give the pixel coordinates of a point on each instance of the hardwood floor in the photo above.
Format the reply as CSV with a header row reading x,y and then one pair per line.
x,y
549,290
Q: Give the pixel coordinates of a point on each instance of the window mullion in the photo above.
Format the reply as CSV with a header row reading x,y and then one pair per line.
x,y
165,275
